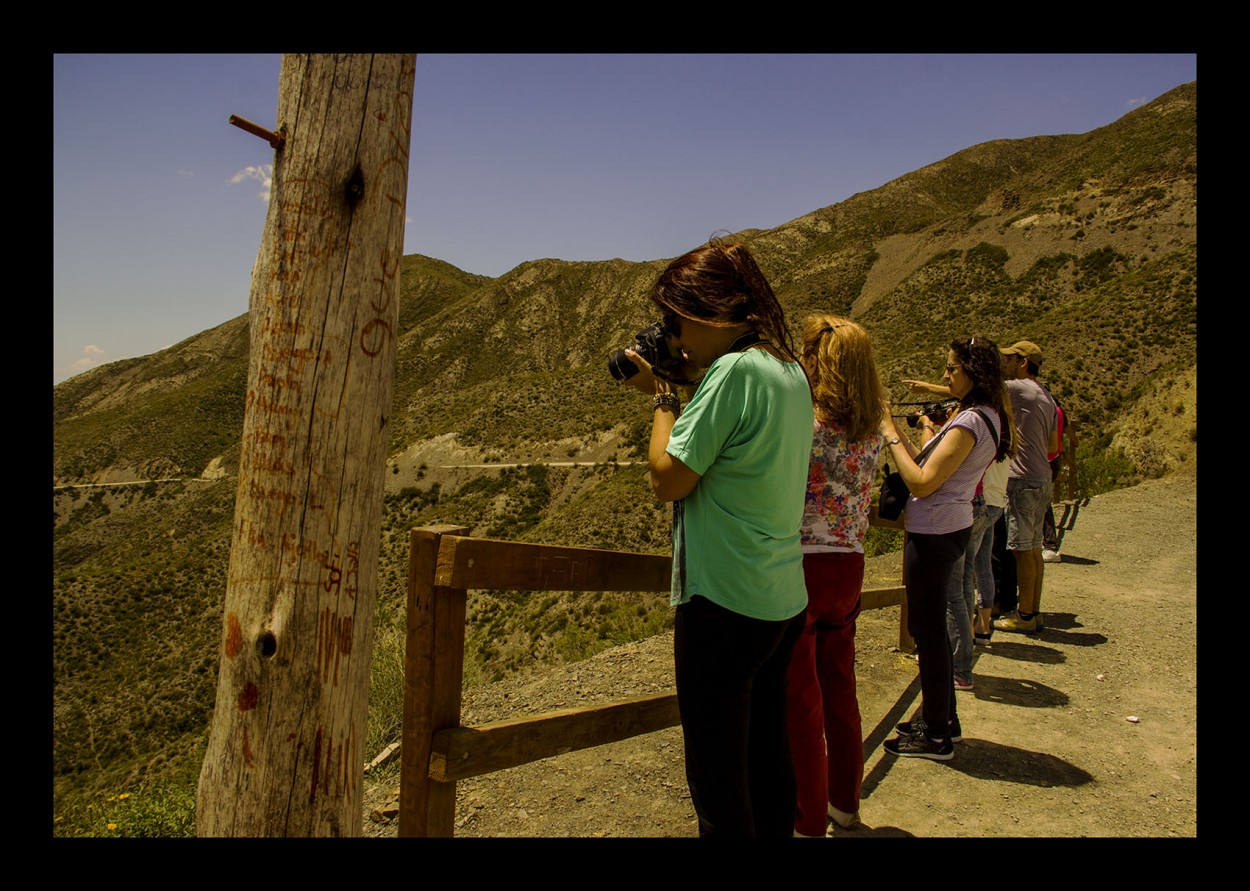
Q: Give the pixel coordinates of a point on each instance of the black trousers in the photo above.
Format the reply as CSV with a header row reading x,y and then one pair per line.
x,y
1003,563
731,690
929,561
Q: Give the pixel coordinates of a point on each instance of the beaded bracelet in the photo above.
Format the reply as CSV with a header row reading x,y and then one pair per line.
x,y
672,400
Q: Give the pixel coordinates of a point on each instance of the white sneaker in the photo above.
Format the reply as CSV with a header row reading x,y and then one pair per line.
x,y
1049,556
843,819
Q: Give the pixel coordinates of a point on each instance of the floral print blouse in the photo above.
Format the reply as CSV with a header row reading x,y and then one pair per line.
x,y
839,490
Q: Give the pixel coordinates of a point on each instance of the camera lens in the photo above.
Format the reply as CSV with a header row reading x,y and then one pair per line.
x,y
621,367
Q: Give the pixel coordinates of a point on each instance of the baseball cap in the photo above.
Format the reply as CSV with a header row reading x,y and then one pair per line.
x,y
1026,348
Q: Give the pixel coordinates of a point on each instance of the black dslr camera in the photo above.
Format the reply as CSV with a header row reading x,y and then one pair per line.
x,y
652,344
937,412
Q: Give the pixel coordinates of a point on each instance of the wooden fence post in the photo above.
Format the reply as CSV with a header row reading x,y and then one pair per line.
x,y
286,741
433,674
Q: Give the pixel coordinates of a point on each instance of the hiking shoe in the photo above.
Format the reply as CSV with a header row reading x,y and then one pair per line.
x,y
1013,622
981,640
964,686
917,725
919,745
1041,625
843,819
1049,556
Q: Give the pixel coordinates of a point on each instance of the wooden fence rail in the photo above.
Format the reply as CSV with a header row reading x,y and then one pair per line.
x,y
436,750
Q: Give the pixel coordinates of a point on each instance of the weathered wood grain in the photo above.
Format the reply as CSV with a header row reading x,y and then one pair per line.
x,y
286,740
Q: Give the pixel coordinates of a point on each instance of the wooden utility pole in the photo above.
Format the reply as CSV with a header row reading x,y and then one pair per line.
x,y
286,743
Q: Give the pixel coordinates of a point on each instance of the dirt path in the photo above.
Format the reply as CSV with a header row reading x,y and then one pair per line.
x,y
1048,748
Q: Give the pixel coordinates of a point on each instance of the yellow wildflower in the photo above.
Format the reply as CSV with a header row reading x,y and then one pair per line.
x,y
112,826
123,796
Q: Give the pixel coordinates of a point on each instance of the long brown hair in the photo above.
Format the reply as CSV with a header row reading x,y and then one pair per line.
x,y
846,388
983,363
721,284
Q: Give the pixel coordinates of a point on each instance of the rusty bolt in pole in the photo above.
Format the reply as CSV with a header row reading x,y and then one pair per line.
x,y
274,139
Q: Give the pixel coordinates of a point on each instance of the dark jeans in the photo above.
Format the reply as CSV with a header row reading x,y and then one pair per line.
x,y
1003,562
929,561
731,690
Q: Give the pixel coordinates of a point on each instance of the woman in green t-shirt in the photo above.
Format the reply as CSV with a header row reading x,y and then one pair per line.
x,y
734,463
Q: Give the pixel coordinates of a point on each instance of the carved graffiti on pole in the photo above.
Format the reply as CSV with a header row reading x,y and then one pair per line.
x,y
334,642
279,382
267,452
295,358
379,327
258,491
331,765
234,636
339,581
316,767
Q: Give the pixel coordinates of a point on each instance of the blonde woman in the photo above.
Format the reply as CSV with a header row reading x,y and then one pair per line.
x,y
826,735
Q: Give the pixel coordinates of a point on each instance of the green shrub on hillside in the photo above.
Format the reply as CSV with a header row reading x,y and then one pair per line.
x,y
989,254
1099,266
1099,469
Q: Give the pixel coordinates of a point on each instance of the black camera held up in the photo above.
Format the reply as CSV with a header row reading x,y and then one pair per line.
x,y
652,343
937,412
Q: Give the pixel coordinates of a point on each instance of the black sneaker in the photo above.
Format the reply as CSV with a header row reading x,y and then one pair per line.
x,y
918,745
917,725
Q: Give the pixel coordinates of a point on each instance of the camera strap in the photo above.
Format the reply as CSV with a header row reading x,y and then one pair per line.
x,y
672,378
750,339
932,443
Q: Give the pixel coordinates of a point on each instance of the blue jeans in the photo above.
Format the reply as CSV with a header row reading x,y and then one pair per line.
x,y
983,558
961,593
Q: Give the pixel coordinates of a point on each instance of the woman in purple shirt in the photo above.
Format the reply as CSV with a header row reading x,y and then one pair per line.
x,y
943,477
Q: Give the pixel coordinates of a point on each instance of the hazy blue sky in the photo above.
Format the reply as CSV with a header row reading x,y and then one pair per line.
x,y
159,204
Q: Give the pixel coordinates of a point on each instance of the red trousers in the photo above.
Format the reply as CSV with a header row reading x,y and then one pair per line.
x,y
826,736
